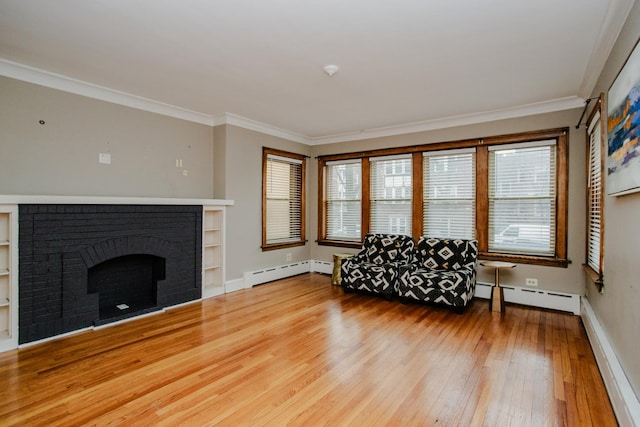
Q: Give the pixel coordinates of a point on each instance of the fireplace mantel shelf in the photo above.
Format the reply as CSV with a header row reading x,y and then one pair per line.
x,y
108,200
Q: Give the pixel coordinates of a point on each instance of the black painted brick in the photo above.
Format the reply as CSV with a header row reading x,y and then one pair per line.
x,y
48,280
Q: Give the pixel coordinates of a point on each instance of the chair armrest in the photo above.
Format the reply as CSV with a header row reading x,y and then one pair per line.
x,y
358,258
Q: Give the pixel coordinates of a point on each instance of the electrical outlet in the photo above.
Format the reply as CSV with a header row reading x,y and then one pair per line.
x,y
531,282
288,256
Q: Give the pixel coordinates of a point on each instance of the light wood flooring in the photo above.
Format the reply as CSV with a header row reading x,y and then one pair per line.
x,y
300,352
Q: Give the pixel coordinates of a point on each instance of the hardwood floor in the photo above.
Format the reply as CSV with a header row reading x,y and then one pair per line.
x,y
300,352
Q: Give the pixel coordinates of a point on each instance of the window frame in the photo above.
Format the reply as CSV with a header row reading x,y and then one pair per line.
x,y
302,194
501,192
561,135
596,276
402,198
323,186
427,157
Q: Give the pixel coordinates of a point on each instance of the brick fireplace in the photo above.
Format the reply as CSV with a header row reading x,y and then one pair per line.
x,y
88,265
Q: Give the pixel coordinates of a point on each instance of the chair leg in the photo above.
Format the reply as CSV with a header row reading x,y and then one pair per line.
x,y
459,309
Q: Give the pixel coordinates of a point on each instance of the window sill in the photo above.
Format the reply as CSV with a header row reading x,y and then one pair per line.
x,y
274,246
525,259
595,277
340,243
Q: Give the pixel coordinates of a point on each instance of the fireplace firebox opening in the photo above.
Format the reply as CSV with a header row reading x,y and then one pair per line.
x,y
126,285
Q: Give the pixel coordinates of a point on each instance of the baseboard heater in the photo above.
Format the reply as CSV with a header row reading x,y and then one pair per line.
x,y
270,274
514,294
533,297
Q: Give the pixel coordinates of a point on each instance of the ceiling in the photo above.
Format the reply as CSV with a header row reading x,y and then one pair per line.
x,y
405,65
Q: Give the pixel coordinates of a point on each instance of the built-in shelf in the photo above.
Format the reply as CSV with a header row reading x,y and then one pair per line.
x,y
8,277
213,251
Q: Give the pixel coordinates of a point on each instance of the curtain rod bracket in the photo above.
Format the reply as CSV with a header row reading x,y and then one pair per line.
x,y
584,110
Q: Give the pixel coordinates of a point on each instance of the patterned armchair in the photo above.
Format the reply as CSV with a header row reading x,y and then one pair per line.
x,y
442,271
375,268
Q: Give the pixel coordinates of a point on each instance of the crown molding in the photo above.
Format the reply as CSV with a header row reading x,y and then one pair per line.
x,y
56,81
560,104
48,79
245,123
612,24
51,80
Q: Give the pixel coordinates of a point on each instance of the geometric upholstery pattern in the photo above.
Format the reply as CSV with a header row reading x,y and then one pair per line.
x,y
375,269
442,271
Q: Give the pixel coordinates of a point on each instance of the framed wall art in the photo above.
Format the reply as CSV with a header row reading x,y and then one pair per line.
x,y
623,126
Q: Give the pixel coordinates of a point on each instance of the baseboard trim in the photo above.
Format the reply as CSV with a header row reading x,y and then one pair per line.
x,y
234,285
623,399
213,291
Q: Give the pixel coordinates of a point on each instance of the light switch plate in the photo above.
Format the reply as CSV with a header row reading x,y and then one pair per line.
x,y
104,158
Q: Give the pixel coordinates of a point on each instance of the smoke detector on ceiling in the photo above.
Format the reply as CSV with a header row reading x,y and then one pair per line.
x,y
331,69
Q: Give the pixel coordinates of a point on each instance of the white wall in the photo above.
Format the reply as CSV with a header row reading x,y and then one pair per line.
x,y
618,308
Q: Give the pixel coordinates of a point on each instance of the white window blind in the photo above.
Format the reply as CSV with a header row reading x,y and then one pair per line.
x,y
284,199
449,187
391,197
343,199
522,198
594,230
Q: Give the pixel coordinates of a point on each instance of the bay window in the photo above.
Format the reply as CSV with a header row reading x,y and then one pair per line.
x,y
509,192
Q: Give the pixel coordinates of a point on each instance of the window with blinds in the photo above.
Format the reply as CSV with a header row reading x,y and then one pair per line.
x,y
391,195
522,198
449,187
594,195
509,192
283,216
343,200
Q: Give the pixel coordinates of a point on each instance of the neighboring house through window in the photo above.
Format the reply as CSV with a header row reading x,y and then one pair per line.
x,y
449,185
343,203
508,192
522,198
390,196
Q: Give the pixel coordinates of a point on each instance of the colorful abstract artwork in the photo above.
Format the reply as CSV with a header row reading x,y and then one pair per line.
x,y
623,123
